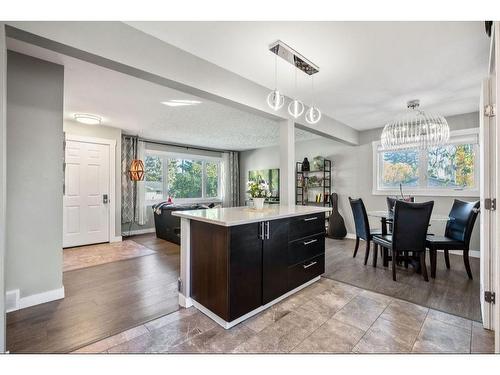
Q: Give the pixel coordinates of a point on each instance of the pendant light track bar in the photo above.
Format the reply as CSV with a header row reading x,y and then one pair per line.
x,y
287,53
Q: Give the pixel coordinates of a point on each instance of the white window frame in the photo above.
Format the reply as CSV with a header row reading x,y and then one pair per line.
x,y
456,137
165,156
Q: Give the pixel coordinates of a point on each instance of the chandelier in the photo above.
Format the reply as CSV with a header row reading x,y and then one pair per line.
x,y
276,99
416,129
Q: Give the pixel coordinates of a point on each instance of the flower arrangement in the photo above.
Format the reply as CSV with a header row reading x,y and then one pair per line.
x,y
258,189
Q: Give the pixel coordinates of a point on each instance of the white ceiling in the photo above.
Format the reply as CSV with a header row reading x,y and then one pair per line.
x,y
134,105
368,70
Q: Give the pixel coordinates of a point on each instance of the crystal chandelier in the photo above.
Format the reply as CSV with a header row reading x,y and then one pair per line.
x,y
416,129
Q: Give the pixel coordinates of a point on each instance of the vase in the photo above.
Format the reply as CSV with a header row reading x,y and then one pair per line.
x,y
258,203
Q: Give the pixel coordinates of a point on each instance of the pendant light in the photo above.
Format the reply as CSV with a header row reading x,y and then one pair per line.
x,y
275,99
136,170
296,107
415,129
313,114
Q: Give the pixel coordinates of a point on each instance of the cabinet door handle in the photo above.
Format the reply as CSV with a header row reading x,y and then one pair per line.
x,y
267,229
311,218
310,242
261,230
309,265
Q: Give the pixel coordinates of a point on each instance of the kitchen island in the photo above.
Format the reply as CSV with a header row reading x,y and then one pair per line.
x,y
236,262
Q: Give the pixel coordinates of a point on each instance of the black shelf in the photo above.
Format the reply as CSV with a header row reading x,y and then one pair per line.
x,y
303,176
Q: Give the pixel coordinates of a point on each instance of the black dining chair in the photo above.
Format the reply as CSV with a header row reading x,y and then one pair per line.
x,y
456,236
409,233
362,225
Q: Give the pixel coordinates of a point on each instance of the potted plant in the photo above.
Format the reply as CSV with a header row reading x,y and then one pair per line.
x,y
259,191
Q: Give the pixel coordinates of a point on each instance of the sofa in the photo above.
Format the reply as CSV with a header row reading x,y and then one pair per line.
x,y
168,227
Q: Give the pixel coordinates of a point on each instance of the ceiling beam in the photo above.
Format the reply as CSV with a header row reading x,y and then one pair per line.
x,y
120,47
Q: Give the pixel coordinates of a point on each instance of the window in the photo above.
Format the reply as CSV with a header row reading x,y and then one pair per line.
x,y
451,169
185,178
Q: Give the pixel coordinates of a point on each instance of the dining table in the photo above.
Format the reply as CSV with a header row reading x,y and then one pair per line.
x,y
387,217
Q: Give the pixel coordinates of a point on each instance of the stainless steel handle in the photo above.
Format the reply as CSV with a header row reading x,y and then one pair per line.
x,y
311,218
310,242
261,230
105,199
267,230
309,265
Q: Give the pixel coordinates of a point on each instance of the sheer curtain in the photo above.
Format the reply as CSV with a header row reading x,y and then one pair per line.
x,y
230,179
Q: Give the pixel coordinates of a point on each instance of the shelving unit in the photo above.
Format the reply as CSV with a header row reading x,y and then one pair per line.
x,y
302,177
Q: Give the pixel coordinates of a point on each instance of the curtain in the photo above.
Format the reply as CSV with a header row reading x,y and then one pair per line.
x,y
230,179
132,192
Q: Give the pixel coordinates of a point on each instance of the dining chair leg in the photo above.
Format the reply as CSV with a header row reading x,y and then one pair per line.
x,y
394,262
447,258
375,254
423,266
467,264
367,252
405,259
433,256
356,247
385,256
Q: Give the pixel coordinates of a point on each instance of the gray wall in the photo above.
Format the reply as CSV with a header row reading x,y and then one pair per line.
x,y
106,132
35,175
3,70
353,171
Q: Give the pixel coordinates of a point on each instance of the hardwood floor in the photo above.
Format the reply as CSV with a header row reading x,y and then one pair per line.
x,y
451,292
100,301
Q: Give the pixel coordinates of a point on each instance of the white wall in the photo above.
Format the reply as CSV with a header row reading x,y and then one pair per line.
x,y
3,185
106,132
352,171
35,176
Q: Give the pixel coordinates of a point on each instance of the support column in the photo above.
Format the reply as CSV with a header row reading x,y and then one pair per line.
x,y
3,94
287,162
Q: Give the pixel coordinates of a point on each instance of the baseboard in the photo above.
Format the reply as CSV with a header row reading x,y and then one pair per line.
x,y
116,239
138,231
12,300
34,299
351,236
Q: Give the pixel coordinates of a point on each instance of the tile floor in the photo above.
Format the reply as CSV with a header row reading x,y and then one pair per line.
x,y
326,317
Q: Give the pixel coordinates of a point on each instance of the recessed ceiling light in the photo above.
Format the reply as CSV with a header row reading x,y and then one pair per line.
x,y
180,102
87,119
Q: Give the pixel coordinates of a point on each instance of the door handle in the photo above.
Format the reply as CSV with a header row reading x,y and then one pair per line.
x,y
310,242
261,230
309,265
267,230
105,198
311,218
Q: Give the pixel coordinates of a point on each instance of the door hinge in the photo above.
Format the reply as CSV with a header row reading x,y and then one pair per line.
x,y
489,297
179,285
490,204
490,110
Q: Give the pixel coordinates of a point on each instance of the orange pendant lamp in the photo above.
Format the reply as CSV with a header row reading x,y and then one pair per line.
x,y
136,171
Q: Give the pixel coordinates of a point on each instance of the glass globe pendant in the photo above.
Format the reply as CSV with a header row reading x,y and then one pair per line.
x,y
275,100
296,108
313,115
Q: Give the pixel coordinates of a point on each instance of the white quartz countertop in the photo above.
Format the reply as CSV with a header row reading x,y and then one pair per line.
x,y
243,215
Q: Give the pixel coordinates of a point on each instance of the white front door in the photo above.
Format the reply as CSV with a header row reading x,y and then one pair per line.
x,y
86,195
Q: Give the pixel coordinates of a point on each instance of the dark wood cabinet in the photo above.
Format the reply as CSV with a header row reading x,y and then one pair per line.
x,y
237,269
274,260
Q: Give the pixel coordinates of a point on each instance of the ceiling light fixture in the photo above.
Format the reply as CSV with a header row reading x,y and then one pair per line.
x,y
313,114
87,119
296,107
276,99
415,129
180,102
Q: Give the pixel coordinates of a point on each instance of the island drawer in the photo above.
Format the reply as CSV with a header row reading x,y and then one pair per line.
x,y
307,225
305,248
305,271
